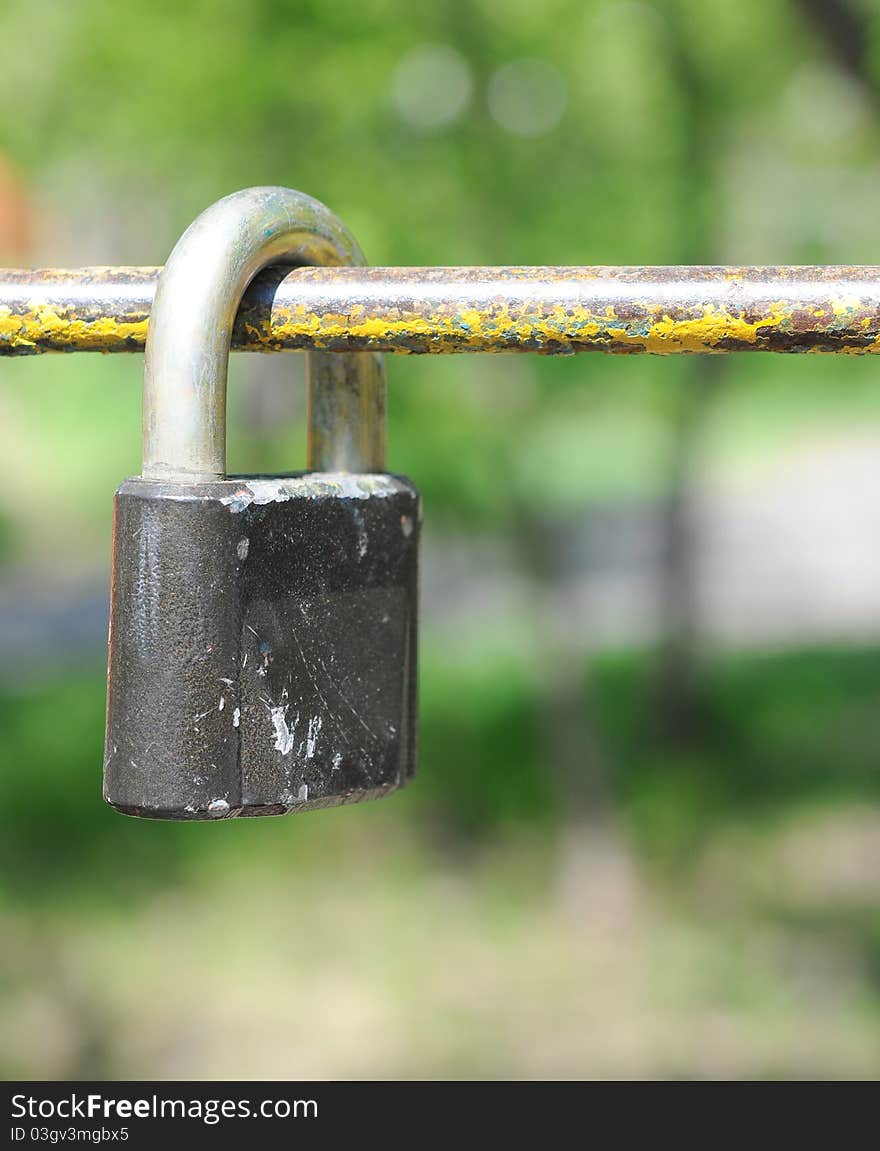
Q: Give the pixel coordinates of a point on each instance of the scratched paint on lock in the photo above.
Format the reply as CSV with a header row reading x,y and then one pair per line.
x,y
308,641
313,486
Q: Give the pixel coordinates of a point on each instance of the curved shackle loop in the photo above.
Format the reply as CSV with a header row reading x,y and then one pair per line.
x,y
190,329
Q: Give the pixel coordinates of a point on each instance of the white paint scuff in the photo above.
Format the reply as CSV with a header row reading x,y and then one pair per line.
x,y
312,737
310,486
283,734
361,528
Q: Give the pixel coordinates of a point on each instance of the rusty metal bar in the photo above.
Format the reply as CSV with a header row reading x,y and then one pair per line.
x,y
657,310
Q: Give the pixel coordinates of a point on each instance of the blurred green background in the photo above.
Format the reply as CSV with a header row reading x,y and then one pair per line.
x,y
645,838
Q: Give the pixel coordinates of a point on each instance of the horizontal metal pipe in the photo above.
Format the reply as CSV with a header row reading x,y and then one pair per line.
x,y
658,310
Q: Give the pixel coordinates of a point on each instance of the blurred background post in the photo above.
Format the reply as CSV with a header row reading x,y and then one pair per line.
x,y
645,837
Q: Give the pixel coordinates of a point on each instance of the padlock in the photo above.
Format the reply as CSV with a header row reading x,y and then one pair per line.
x,y
262,628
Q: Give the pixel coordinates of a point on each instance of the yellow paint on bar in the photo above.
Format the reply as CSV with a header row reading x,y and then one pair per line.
x,y
42,322
645,328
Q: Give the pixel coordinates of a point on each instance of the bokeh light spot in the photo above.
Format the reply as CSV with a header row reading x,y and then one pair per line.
x,y
527,97
432,86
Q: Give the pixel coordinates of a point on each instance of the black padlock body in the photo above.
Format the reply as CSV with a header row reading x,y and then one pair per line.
x,y
262,644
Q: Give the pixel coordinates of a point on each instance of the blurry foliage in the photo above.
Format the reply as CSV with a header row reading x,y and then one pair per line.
x,y
790,728
7,538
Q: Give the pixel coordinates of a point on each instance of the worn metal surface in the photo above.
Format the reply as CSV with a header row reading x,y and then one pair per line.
x,y
262,645
190,330
429,310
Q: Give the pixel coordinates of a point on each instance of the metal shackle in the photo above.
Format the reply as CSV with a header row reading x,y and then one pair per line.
x,y
190,331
